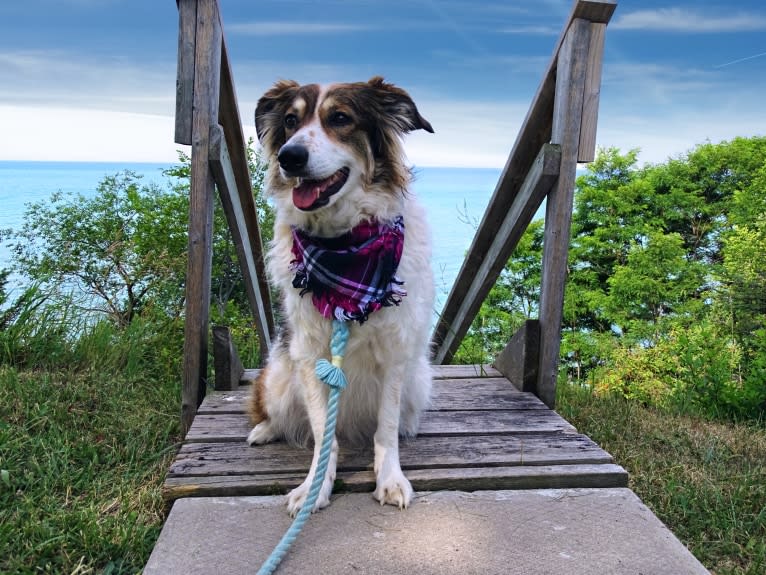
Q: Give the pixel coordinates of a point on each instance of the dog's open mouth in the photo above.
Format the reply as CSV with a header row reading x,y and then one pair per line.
x,y
312,194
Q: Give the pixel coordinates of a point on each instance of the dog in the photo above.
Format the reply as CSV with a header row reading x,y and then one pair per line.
x,y
335,167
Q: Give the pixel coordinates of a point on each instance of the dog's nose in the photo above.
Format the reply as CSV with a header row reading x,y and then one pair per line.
x,y
293,157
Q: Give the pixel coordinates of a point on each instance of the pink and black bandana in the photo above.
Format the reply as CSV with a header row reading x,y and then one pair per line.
x,y
352,275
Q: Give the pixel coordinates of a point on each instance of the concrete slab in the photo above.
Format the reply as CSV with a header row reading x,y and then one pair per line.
x,y
535,532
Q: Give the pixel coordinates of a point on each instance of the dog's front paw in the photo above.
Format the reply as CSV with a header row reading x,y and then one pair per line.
x,y
395,489
261,433
297,497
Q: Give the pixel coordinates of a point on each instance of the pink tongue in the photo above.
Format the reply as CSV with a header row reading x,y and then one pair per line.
x,y
306,194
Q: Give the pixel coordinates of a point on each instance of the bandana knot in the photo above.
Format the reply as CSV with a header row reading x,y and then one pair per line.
x,y
352,275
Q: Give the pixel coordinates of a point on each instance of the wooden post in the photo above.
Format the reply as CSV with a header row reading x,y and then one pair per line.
x,y
567,116
228,366
587,149
187,32
520,359
207,66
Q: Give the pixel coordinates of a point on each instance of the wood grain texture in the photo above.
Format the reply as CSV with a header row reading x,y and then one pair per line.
x,y
481,433
187,32
478,394
229,118
226,362
463,479
520,358
200,253
236,212
211,459
223,427
567,115
592,93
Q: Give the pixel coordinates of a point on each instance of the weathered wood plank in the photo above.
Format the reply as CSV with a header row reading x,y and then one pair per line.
x,y
235,426
594,10
542,175
439,371
567,115
228,367
589,123
200,253
229,119
460,371
534,132
210,459
466,479
490,393
187,31
235,211
520,358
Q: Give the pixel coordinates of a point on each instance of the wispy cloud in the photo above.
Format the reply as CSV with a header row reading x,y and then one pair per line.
x,y
532,30
63,78
738,60
287,28
689,21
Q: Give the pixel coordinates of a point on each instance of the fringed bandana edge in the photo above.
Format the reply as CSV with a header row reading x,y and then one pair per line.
x,y
353,275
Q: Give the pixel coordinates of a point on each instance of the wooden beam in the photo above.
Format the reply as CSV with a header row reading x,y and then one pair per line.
x,y
535,131
542,174
228,367
567,117
223,173
587,148
206,88
593,10
229,119
519,360
187,32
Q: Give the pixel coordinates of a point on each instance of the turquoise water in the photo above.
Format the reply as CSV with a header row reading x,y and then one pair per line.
x,y
454,197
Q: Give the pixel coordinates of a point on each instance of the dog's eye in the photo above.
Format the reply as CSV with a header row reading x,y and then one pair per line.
x,y
291,121
340,119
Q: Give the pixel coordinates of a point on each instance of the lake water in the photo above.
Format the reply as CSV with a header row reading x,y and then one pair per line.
x,y
455,199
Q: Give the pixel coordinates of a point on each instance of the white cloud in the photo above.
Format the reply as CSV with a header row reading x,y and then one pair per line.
x,y
688,20
71,135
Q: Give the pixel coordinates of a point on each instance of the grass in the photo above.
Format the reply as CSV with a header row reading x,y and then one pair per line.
x,y
705,480
88,426
82,457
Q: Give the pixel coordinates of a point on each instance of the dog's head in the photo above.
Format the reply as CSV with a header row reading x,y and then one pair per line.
x,y
330,146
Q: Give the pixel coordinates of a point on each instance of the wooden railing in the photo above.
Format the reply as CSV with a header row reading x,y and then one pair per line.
x,y
558,132
207,118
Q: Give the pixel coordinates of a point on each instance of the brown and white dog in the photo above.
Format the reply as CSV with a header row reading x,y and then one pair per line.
x,y
335,161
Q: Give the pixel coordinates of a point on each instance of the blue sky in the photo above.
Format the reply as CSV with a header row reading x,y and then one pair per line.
x,y
95,79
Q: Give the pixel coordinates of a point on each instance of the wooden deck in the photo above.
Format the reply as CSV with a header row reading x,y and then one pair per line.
x,y
480,433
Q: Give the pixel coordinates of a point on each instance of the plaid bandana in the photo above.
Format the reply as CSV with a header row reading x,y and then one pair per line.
x,y
353,275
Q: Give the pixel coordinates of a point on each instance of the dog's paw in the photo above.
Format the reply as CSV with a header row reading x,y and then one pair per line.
x,y
395,489
260,434
297,497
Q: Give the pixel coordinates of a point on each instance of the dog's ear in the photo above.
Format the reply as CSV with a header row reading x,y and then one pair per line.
x,y
268,113
398,107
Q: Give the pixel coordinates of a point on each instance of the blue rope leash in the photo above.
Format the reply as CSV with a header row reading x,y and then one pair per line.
x,y
331,374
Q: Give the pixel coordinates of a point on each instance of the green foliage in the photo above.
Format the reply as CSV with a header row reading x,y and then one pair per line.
x,y
666,292
119,249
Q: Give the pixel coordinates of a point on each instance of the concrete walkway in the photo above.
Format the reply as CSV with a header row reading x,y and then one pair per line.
x,y
535,532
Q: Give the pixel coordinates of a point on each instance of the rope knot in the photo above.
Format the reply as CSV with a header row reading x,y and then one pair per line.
x,y
330,372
